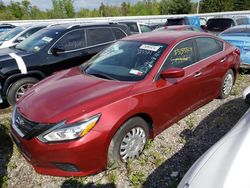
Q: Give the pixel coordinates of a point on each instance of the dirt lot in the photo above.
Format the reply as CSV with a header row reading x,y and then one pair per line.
x,y
164,162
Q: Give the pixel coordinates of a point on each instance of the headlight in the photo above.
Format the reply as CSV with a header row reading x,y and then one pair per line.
x,y
65,132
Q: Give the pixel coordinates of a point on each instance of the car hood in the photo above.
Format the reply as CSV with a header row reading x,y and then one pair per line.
x,y
226,164
69,93
4,54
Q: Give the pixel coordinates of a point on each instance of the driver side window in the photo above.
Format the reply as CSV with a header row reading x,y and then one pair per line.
x,y
72,41
182,55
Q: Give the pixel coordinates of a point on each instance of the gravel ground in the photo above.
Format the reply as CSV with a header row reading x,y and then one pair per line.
x,y
164,162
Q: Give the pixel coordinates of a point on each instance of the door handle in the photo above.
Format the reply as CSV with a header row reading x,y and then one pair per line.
x,y
223,60
197,74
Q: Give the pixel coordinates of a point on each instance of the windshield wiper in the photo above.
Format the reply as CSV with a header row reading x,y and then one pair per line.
x,y
102,76
21,49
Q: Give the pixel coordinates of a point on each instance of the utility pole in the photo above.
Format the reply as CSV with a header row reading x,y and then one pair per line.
x,y
198,7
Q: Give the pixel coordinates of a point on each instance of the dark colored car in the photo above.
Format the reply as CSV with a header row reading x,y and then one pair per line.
x,y
6,27
180,28
74,122
240,37
217,25
49,50
185,20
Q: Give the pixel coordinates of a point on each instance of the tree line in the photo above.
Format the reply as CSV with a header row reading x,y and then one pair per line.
x,y
65,9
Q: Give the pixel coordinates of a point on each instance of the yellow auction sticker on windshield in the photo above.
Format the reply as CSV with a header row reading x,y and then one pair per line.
x,y
150,47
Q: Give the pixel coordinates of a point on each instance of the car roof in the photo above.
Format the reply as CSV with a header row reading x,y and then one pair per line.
x,y
81,25
165,37
178,26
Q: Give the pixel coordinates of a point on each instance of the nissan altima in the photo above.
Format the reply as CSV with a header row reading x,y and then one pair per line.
x,y
76,121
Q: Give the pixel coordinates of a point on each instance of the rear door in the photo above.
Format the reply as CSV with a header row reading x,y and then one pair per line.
x,y
212,59
98,38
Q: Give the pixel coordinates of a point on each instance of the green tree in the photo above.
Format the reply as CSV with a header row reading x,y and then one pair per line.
x,y
179,6
16,9
164,6
216,5
241,5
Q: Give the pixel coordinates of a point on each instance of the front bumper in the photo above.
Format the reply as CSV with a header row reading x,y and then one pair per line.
x,y
244,66
1,98
86,156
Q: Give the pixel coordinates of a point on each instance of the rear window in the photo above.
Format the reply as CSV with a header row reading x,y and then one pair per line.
x,y
97,36
118,33
177,21
208,47
219,24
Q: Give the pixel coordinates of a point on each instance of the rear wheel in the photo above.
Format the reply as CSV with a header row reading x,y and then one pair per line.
x,y
129,141
227,84
17,89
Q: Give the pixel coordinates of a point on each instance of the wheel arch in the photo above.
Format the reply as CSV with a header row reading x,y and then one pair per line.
x,y
34,74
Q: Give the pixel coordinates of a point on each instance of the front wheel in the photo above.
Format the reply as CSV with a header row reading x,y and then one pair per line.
x,y
129,141
227,84
18,89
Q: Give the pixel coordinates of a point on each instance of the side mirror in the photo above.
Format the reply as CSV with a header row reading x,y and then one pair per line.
x,y
172,73
56,50
20,39
246,95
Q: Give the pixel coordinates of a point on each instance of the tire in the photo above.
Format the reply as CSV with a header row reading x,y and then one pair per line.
x,y
227,84
134,126
12,95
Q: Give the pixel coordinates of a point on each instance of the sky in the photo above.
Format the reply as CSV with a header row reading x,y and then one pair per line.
x,y
78,4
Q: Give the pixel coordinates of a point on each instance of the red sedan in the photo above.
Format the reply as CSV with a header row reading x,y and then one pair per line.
x,y
74,122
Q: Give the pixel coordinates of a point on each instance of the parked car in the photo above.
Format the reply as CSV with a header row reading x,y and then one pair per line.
x,y
155,26
107,109
240,37
217,25
180,28
185,20
225,164
18,34
137,27
5,27
49,50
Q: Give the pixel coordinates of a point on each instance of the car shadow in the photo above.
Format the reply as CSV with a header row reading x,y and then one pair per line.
x,y
6,150
75,183
197,141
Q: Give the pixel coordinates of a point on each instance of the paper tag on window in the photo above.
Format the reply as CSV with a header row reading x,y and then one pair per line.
x,y
150,47
135,72
47,39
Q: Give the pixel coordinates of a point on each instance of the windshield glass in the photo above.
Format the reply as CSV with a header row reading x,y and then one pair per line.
x,y
125,60
12,33
177,21
219,24
38,40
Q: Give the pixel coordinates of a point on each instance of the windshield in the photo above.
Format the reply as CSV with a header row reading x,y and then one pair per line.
x,y
125,60
177,21
12,33
38,40
219,24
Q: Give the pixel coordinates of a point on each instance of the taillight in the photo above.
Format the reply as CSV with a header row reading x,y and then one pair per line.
x,y
237,51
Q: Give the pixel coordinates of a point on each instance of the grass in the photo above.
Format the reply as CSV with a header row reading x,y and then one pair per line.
x,y
3,181
191,121
137,178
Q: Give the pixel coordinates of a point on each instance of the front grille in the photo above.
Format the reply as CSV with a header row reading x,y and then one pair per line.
x,y
28,129
24,125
